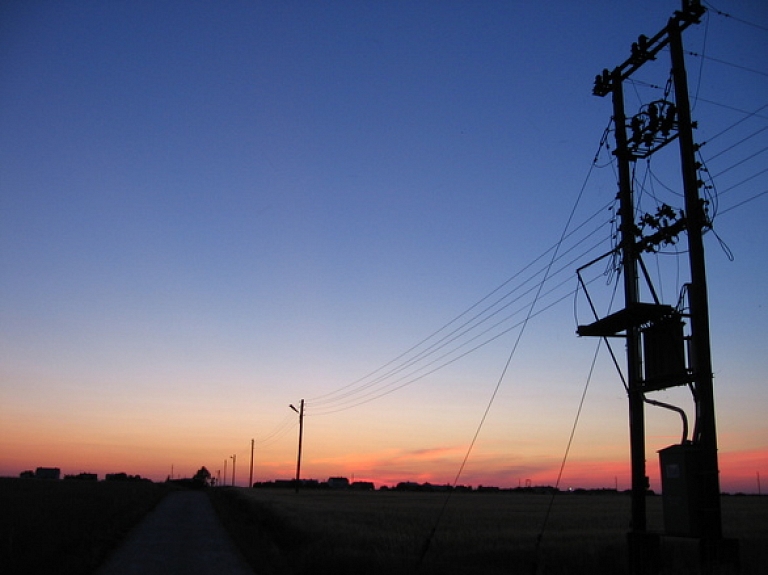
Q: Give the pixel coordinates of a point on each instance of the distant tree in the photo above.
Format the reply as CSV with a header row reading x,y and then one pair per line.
x,y
202,477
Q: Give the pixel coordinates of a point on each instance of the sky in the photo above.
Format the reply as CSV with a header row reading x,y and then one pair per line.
x,y
210,211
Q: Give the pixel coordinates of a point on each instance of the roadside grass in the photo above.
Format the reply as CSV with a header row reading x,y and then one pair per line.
x,y
344,532
67,527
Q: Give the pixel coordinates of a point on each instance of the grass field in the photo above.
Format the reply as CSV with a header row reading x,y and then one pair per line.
x,y
345,532
67,527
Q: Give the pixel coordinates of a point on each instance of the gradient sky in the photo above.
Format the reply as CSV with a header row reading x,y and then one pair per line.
x,y
209,211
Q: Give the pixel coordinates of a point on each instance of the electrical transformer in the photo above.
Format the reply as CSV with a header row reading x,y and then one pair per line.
x,y
681,488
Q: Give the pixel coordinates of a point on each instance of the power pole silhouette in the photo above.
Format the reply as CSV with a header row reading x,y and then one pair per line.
x,y
250,475
300,411
654,331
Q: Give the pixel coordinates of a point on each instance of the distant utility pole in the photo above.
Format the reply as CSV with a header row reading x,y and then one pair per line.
x,y
250,475
652,330
300,411
225,472
234,461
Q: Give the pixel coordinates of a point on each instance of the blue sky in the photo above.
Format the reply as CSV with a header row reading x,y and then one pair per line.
x,y
210,211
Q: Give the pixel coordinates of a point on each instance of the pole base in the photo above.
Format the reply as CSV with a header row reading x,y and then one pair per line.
x,y
719,556
644,553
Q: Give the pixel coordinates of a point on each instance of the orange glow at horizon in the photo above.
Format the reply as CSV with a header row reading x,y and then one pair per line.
x,y
74,449
738,471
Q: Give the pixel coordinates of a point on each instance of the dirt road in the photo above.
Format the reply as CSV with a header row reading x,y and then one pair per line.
x,y
182,535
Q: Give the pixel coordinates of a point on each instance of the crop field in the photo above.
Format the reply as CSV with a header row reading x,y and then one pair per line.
x,y
345,532
67,527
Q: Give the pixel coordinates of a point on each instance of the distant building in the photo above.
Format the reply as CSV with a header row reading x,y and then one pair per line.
x,y
82,477
122,476
362,486
47,473
338,482
116,477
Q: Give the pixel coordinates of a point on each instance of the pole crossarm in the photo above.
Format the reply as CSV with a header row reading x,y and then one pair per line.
x,y
635,315
646,49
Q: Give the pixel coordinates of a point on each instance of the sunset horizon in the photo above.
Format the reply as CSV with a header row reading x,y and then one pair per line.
x,y
213,215
739,472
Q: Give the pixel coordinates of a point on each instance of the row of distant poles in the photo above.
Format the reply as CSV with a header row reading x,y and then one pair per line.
x,y
233,457
653,332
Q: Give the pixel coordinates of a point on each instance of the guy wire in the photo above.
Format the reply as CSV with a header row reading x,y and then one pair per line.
x,y
428,542
540,535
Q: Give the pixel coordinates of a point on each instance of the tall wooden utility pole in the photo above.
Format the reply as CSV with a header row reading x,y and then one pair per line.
x,y
250,475
705,432
300,411
631,298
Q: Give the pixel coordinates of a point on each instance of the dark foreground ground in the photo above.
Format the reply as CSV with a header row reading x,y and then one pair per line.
x,y
111,528
69,528
342,532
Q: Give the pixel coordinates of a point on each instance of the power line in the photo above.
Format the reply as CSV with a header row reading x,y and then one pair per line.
x,y
740,162
422,351
731,64
740,204
731,17
735,109
742,182
742,141
365,395
283,427
404,381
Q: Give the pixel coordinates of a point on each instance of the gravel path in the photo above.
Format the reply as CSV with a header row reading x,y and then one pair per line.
x,y
182,535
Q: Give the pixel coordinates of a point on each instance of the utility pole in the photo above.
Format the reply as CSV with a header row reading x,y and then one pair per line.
x,y
631,298
250,475
234,461
300,411
653,331
705,433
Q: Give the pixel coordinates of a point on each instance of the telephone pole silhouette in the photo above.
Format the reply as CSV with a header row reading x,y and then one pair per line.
x,y
653,332
300,411
250,474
